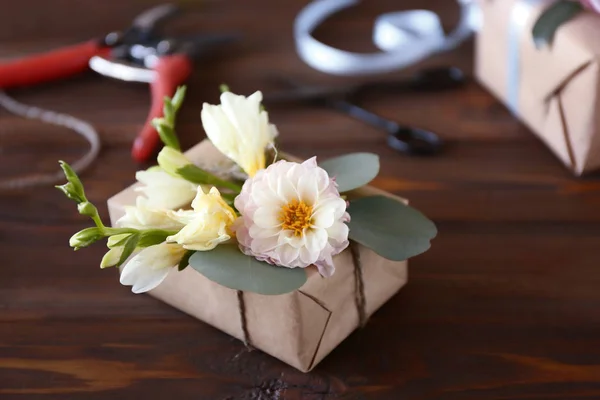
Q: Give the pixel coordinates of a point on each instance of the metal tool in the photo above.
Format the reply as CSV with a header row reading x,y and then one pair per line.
x,y
140,53
403,138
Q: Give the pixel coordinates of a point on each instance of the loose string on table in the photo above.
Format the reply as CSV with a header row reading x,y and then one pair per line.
x,y
77,125
359,297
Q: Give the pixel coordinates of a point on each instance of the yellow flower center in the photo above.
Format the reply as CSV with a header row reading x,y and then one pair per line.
x,y
296,216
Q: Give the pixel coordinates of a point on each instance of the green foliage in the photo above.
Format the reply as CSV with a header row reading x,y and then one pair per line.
x,y
228,266
553,18
128,248
185,260
390,228
197,175
166,126
352,171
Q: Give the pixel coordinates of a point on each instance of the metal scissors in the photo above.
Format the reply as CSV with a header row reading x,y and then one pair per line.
x,y
139,53
403,138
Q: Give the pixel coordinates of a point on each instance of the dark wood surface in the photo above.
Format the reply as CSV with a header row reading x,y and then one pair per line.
x,y
506,304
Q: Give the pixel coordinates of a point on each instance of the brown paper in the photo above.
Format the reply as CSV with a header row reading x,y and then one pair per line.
x,y
558,85
299,328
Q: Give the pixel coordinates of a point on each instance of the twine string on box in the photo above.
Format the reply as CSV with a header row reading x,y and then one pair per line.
x,y
82,128
359,297
359,285
243,320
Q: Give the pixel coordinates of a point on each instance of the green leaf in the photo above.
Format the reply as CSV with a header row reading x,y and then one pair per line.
x,y
151,237
228,266
168,136
551,19
389,228
185,261
128,248
194,174
352,171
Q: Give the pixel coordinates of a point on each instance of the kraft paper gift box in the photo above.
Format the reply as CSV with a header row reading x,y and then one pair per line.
x,y
299,328
554,90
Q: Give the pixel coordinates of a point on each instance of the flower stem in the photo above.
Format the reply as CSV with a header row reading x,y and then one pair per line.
x,y
118,231
227,184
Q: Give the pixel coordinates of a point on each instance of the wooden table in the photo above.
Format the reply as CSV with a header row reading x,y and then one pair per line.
x,y
506,304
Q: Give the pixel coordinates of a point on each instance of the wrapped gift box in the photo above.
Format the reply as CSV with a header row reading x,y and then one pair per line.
x,y
299,328
553,90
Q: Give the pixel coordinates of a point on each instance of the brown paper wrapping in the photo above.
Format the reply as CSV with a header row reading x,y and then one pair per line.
x,y
299,328
558,86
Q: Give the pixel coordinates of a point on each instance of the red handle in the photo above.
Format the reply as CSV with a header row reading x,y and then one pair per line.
x,y
171,72
49,66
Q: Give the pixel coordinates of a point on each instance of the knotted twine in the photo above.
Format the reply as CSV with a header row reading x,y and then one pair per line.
x,y
359,297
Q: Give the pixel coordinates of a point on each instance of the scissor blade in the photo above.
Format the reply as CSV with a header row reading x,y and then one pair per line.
x,y
121,71
148,19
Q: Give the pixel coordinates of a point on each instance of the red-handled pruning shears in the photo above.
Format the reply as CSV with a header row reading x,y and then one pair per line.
x,y
137,54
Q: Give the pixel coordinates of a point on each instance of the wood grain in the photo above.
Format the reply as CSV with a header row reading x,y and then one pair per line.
x,y
506,305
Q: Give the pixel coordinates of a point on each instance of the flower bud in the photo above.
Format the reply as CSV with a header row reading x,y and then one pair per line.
x,y
74,188
85,237
87,208
172,161
117,240
70,191
112,257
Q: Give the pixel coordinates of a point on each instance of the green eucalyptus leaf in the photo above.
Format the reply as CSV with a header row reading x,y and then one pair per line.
x,y
185,260
389,228
352,171
551,19
128,248
228,266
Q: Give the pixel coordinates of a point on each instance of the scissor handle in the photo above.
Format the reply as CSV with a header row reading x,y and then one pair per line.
x,y
171,71
49,66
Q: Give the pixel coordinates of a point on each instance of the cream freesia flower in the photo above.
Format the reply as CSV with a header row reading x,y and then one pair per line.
x,y
142,216
292,216
163,190
207,225
240,129
150,267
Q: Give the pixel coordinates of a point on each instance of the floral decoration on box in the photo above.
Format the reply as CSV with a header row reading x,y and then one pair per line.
x,y
252,225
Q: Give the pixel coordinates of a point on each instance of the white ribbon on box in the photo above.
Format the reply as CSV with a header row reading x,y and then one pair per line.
x,y
519,17
404,37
